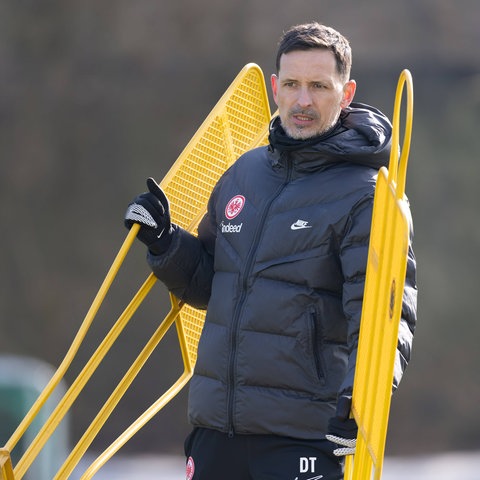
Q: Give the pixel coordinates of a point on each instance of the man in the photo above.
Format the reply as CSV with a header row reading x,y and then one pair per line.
x,y
283,290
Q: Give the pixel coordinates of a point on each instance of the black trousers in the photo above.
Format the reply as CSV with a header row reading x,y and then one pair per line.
x,y
212,455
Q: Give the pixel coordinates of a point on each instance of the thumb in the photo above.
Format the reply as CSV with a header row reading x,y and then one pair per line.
x,y
155,189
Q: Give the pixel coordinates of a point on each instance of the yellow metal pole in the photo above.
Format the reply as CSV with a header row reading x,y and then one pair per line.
x,y
405,81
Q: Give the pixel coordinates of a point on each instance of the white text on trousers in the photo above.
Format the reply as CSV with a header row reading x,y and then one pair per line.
x,y
307,464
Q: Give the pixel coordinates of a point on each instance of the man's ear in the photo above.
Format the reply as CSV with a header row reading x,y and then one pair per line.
x,y
274,82
348,93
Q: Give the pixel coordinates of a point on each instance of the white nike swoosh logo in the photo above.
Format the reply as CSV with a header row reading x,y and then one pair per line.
x,y
299,224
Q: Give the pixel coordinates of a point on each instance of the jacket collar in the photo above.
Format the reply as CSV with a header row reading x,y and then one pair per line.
x,y
361,136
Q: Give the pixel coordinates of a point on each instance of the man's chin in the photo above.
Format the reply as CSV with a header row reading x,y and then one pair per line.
x,y
305,133
301,133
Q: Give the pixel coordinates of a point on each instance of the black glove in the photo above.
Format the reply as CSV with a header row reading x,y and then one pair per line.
x,y
343,430
152,211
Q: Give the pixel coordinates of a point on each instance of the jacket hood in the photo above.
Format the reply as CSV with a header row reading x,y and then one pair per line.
x,y
362,136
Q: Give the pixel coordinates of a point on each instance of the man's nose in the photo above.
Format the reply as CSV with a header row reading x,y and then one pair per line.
x,y
304,97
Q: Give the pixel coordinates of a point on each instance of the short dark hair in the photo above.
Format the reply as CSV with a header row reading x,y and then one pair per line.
x,y
315,35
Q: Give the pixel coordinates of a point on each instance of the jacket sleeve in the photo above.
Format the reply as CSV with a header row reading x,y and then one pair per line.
x,y
353,256
186,268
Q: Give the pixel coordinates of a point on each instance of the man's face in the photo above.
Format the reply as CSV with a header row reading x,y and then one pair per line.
x,y
309,92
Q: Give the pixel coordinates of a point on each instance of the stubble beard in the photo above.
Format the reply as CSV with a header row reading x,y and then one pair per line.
x,y
299,132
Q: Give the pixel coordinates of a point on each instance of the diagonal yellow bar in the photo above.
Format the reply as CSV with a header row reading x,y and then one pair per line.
x,y
382,305
237,123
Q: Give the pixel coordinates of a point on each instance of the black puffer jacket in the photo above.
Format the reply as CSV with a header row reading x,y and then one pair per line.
x,y
280,259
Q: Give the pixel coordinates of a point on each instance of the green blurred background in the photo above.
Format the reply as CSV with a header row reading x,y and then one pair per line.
x,y
95,96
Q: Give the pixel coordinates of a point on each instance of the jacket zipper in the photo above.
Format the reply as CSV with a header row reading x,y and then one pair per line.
x,y
238,309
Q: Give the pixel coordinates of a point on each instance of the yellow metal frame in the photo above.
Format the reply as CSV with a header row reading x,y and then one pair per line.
x,y
382,305
236,124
